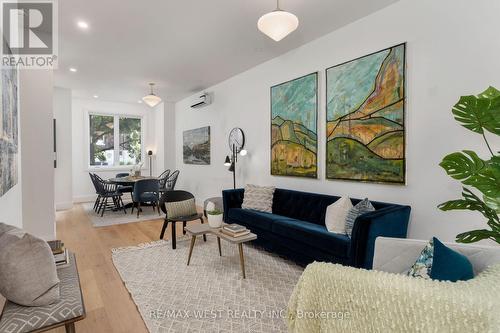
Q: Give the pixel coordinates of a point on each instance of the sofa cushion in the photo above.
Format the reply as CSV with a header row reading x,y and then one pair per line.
x,y
313,235
253,218
181,208
28,273
258,198
361,208
336,215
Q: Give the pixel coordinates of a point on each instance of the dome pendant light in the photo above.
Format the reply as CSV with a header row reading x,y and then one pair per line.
x,y
278,24
152,100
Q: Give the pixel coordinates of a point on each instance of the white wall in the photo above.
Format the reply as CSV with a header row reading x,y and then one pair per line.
x,y
169,136
37,158
153,118
63,173
452,50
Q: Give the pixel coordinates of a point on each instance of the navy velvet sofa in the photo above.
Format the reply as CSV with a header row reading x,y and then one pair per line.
x,y
296,228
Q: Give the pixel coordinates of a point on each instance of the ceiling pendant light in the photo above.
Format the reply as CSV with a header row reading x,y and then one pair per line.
x,y
278,24
152,100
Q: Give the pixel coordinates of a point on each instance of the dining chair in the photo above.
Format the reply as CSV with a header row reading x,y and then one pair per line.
x,y
108,191
98,199
163,178
124,188
177,196
171,181
146,191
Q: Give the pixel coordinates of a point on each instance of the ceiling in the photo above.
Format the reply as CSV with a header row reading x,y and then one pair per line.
x,y
183,46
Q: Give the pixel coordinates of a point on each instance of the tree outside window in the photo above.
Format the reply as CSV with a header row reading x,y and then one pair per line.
x,y
114,140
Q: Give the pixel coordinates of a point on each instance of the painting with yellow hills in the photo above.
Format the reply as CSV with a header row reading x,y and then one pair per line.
x,y
365,131
294,113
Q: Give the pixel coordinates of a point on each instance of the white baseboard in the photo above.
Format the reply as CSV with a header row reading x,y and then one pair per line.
x,y
84,198
63,205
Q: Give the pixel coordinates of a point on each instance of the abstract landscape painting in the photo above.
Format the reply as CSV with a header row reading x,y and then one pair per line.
x,y
365,118
196,146
8,131
294,113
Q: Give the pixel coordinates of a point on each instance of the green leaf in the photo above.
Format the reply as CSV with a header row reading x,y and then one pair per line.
x,y
493,203
471,170
491,92
477,235
462,165
471,202
471,112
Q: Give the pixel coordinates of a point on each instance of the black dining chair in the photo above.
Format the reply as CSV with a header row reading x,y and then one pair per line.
x,y
98,199
108,191
176,196
163,178
124,188
164,174
170,182
146,191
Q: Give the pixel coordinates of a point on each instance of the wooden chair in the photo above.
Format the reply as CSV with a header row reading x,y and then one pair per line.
x,y
176,196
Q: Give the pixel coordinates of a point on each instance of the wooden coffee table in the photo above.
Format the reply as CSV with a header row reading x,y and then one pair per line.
x,y
204,229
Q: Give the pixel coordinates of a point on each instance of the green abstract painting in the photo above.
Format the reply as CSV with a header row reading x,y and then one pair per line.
x,y
294,120
365,131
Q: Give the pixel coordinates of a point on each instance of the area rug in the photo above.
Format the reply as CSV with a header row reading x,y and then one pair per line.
x,y
210,294
118,217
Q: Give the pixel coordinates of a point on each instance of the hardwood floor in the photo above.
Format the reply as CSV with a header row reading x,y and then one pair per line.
x,y
108,304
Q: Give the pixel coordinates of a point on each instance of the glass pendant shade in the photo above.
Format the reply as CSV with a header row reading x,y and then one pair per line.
x,y
151,100
278,24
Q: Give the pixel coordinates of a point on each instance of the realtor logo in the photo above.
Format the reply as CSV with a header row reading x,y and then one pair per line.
x,y
29,34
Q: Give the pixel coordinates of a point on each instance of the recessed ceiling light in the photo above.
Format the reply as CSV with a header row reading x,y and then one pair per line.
x,y
82,25
96,96
73,69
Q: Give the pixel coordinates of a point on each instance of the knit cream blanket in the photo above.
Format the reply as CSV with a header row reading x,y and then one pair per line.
x,y
335,298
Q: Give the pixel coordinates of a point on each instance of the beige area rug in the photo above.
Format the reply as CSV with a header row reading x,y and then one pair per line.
x,y
210,294
119,217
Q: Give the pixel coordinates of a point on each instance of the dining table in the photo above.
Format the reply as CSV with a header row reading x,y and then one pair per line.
x,y
129,181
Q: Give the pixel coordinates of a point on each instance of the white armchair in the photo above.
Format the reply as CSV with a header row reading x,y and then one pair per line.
x,y
335,298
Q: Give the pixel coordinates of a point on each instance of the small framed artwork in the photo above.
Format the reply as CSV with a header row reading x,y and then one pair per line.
x,y
196,146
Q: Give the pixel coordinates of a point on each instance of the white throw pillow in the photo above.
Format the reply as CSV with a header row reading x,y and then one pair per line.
x,y
336,214
258,198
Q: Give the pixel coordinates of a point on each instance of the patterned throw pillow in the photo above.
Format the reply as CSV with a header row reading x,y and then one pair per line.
x,y
180,208
361,208
258,198
439,262
422,267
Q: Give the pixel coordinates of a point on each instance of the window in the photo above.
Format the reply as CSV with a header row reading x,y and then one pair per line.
x,y
114,140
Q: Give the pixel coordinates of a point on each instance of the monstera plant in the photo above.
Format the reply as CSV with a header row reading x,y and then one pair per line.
x,y
479,114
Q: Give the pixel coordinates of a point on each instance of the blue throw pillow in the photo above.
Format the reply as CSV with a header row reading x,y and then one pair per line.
x,y
439,262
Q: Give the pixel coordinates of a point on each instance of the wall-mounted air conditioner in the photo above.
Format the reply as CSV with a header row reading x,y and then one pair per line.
x,y
202,101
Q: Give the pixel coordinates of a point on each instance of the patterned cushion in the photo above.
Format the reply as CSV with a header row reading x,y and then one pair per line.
x,y
422,267
28,272
181,208
336,215
439,262
361,208
258,198
20,319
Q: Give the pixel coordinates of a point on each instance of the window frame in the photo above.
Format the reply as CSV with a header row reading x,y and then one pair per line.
x,y
116,137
